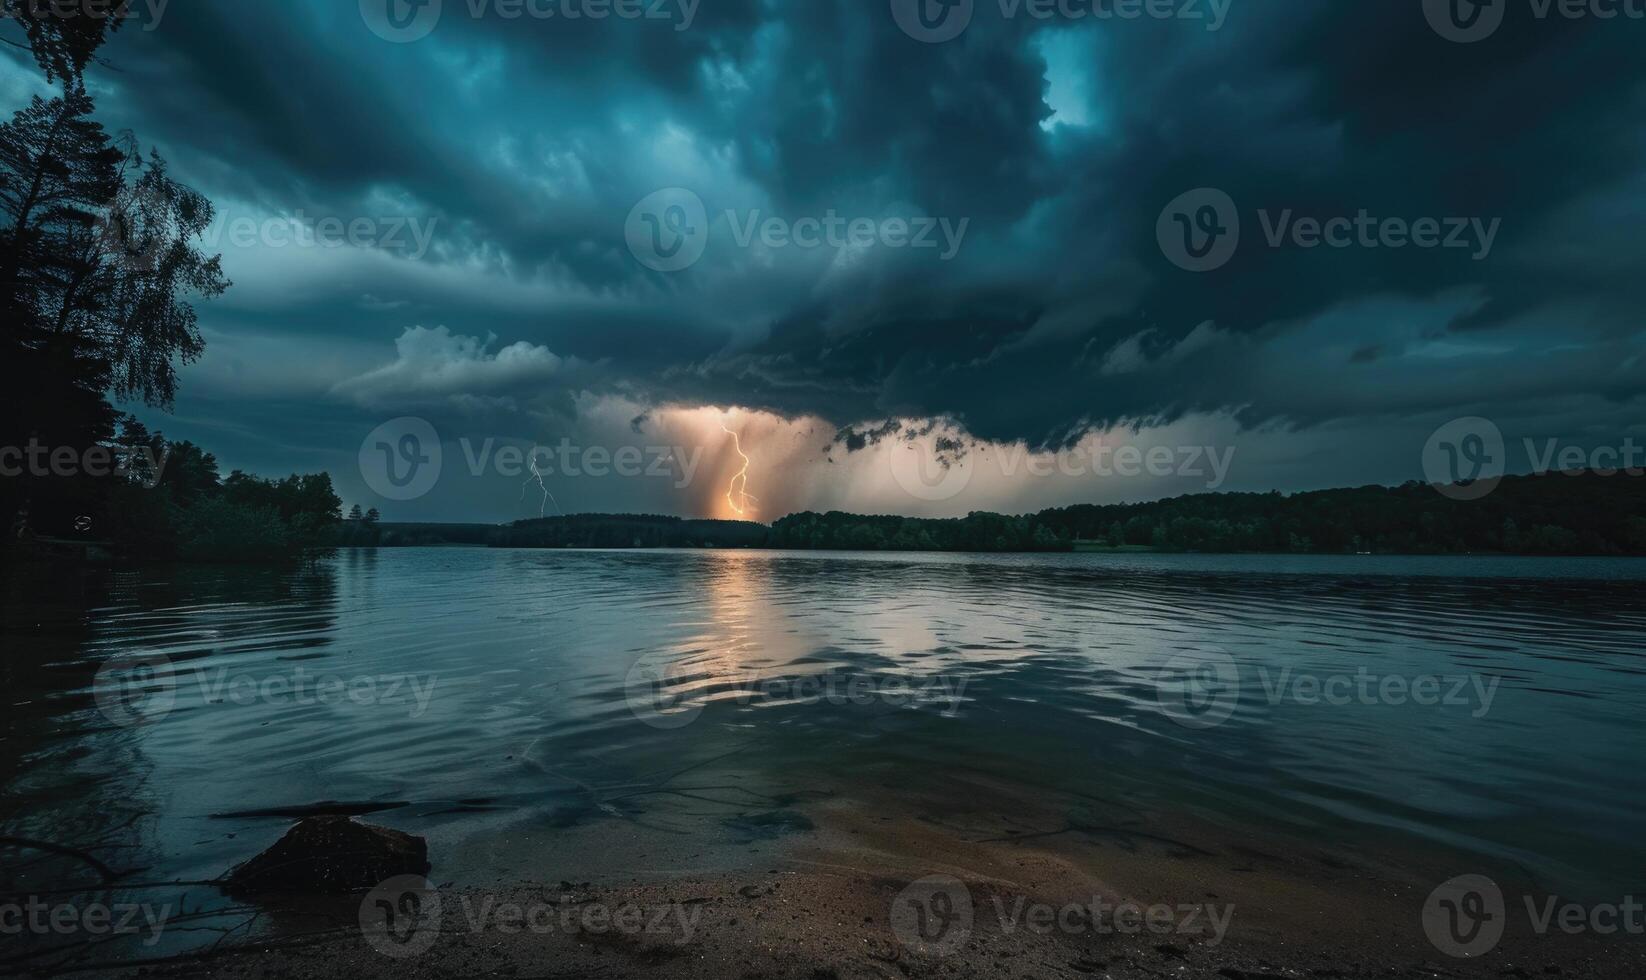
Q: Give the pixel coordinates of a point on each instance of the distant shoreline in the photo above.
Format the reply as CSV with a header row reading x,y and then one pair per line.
x,y
1581,514
1555,515
1082,548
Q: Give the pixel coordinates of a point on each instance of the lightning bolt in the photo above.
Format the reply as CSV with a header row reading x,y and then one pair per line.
x,y
536,474
739,488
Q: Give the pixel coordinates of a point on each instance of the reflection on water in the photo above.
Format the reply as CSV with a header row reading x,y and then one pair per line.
x,y
487,699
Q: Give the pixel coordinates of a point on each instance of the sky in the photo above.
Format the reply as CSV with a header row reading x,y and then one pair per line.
x,y
893,256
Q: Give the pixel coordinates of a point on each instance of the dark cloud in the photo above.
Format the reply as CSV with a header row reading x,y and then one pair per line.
x,y
529,141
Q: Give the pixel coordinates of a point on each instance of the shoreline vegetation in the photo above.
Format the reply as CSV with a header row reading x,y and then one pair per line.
x,y
1585,514
180,509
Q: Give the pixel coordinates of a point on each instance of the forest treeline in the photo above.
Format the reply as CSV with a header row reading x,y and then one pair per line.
x,y
1554,514
184,509
100,271
627,531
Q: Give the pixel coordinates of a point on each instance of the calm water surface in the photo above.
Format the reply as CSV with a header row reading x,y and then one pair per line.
x,y
501,701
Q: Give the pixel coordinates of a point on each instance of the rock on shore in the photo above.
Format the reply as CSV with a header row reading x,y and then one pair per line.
x,y
330,855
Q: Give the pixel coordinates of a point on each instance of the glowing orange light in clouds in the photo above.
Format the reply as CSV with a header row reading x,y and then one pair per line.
x,y
739,488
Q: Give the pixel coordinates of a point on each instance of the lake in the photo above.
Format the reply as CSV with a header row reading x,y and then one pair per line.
x,y
576,715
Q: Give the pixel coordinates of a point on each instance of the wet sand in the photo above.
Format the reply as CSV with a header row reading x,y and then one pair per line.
x,y
822,924
825,907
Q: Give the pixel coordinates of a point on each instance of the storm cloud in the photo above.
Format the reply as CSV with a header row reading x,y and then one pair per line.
x,y
820,137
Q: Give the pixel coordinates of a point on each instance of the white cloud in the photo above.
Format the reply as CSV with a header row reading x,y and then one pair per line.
x,y
436,364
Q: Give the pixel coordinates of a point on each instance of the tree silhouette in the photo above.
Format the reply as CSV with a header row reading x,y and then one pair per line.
x,y
62,46
99,254
98,265
99,269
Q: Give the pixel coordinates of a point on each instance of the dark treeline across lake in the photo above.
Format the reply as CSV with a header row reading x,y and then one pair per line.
x,y
1557,514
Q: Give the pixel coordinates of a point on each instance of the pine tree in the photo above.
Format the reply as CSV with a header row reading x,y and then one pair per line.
x,y
63,46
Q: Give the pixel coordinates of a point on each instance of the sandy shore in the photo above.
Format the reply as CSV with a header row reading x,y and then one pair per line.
x,y
824,924
1107,896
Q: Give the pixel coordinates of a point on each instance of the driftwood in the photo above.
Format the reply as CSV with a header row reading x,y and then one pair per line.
x,y
328,808
107,873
